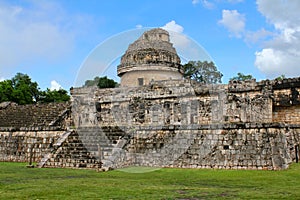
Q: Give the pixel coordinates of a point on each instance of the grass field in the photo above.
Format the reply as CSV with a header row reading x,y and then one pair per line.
x,y
19,182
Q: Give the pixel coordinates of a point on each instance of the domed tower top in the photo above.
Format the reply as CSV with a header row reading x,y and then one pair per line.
x,y
151,57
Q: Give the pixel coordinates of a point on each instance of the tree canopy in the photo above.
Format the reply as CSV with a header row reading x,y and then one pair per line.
x,y
22,90
92,82
101,82
202,72
54,96
242,77
281,77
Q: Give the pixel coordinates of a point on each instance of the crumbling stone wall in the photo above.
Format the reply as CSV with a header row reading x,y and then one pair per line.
x,y
28,132
34,115
179,123
20,145
181,103
286,104
228,147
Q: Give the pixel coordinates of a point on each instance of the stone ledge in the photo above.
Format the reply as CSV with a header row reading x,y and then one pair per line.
x,y
205,127
38,128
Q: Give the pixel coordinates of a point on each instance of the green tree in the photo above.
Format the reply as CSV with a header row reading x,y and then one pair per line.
x,y
242,77
6,90
24,90
101,82
203,72
105,82
92,82
21,90
281,77
60,95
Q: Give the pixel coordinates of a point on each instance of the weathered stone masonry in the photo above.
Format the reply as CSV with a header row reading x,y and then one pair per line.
x,y
40,133
179,123
156,118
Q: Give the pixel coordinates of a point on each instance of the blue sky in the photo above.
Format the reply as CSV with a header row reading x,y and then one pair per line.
x,y
50,39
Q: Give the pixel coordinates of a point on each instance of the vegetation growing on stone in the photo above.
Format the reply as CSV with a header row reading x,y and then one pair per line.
x,y
202,72
242,77
101,82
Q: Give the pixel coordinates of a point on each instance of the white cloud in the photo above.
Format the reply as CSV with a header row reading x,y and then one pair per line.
x,y
234,22
55,85
210,4
41,30
274,63
194,2
2,79
235,1
283,14
281,54
207,4
176,34
257,36
172,26
139,26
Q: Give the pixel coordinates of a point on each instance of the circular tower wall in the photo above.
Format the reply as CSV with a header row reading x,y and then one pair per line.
x,y
151,57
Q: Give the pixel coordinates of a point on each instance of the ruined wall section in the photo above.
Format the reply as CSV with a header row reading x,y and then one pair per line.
x,y
40,115
19,146
181,102
179,123
249,101
29,131
83,106
250,146
286,104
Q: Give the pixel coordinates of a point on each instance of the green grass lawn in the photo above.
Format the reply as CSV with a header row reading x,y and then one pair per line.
x,y
19,182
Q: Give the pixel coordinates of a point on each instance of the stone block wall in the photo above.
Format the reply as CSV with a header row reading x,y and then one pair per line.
x,y
70,152
177,102
28,132
179,123
34,115
287,114
18,146
270,146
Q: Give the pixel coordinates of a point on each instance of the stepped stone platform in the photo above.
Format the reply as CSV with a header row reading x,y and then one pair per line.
x,y
32,115
28,132
179,123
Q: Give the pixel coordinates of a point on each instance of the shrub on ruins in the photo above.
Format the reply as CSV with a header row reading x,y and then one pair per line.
x,y
93,82
202,72
242,77
281,77
101,82
105,82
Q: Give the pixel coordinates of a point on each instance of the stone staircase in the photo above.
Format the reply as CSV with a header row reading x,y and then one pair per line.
x,y
70,152
55,147
103,143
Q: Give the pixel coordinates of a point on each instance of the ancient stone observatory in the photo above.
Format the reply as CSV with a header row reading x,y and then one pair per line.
x,y
172,122
151,57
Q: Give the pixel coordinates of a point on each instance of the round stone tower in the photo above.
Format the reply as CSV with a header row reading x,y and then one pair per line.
x,y
151,57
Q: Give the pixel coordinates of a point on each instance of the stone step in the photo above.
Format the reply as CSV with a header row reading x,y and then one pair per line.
x,y
58,143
